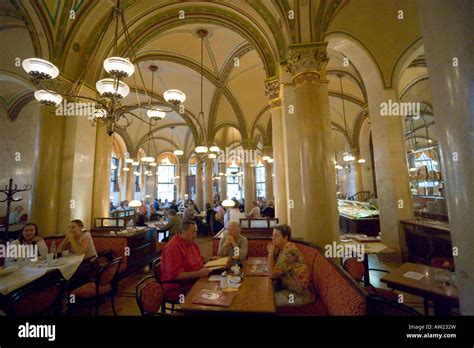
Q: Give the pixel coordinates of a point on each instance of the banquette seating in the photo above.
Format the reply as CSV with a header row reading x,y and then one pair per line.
x,y
337,294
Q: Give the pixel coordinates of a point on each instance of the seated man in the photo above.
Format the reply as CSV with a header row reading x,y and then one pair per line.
x,y
173,225
233,239
181,259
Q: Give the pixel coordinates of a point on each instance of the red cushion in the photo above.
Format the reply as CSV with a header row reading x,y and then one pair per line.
x,y
385,293
316,308
88,290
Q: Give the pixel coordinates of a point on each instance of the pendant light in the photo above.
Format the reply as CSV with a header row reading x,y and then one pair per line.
x,y
202,148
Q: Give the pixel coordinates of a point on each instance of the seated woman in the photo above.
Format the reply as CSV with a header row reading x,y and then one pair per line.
x,y
30,236
287,266
231,240
78,241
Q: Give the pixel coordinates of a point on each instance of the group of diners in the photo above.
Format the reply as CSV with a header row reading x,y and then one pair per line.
x,y
182,263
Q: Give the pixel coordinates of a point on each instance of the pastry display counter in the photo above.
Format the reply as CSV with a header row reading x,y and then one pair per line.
x,y
358,217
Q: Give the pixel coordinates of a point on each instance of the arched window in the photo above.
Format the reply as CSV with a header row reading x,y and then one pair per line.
x,y
234,175
166,177
114,175
260,179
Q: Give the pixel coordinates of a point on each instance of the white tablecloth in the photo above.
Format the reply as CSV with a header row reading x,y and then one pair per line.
x,y
27,274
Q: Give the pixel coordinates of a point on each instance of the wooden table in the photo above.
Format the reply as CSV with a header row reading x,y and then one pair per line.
x,y
255,295
444,297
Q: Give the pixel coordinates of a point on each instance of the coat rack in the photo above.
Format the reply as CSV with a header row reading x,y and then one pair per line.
x,y
9,191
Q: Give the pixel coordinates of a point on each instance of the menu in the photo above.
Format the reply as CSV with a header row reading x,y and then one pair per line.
x,y
257,266
214,298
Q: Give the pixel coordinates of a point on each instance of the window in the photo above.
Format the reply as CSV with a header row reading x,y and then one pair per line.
x,y
233,183
192,169
114,175
260,179
166,175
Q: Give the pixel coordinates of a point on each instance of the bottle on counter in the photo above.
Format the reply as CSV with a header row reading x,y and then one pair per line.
x,y
224,280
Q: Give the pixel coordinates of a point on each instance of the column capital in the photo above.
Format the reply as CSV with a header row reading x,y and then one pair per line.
x,y
272,87
248,144
306,61
267,150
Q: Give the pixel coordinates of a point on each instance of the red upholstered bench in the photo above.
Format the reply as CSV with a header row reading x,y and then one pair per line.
x,y
336,292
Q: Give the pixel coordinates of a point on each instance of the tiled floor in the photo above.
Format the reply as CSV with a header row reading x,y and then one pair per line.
x,y
126,303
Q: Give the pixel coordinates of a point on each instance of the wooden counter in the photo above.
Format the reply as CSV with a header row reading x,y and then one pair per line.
x,y
426,237
367,226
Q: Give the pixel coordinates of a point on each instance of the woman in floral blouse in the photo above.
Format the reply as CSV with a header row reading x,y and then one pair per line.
x,y
286,265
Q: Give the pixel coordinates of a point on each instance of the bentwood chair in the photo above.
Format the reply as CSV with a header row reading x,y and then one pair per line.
x,y
356,269
43,296
171,297
149,295
102,286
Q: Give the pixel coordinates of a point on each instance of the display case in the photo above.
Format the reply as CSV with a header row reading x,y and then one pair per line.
x,y
358,217
425,172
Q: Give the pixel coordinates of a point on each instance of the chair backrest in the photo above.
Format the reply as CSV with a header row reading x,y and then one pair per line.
x,y
107,273
149,296
444,261
378,305
354,267
39,297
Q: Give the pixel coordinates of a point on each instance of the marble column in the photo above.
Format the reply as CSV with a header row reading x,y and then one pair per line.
x,y
307,64
447,28
222,181
209,174
393,186
357,167
249,174
101,186
183,179
268,150
43,206
199,185
130,187
272,88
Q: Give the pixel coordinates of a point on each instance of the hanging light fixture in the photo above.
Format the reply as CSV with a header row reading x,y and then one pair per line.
x,y
48,97
135,163
214,148
174,96
40,69
212,155
119,67
129,160
176,152
125,169
228,203
148,158
270,160
361,160
202,148
266,158
153,112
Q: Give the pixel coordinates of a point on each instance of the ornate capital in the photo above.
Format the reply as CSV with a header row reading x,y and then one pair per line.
x,y
248,144
272,88
306,61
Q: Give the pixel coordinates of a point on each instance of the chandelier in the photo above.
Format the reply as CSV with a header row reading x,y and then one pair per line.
x,y
107,104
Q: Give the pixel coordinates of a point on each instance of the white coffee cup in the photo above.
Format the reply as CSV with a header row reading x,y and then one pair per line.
x,y
65,253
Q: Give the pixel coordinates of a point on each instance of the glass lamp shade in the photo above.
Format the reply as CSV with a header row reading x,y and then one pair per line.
x,y
148,159
48,97
228,203
361,160
266,158
338,166
221,174
214,148
135,163
174,96
153,164
40,69
270,160
126,169
178,152
135,203
212,155
348,158
201,149
136,173
176,177
113,167
111,88
119,67
156,113
100,113
129,160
